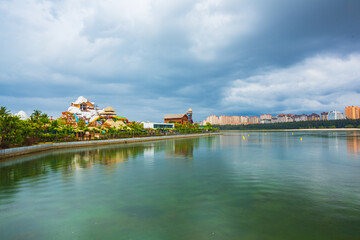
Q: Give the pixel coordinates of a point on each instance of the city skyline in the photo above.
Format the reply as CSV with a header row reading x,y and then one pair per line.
x,y
351,112
247,118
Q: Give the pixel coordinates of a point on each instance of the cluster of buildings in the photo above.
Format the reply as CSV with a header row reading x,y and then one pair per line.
x,y
92,116
233,120
83,109
351,112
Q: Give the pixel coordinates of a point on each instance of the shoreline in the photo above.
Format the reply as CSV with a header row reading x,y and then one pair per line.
x,y
324,129
296,130
12,152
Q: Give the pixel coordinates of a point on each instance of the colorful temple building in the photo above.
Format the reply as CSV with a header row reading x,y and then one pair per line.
x,y
179,118
108,118
83,109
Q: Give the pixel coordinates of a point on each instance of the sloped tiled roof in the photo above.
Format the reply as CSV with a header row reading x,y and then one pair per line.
x,y
174,116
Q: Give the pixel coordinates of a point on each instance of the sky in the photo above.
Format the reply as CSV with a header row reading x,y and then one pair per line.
x,y
149,58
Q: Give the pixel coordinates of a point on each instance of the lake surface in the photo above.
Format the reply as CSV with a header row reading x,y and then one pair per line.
x,y
262,186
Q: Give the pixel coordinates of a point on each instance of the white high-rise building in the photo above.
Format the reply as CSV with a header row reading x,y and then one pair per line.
x,y
335,115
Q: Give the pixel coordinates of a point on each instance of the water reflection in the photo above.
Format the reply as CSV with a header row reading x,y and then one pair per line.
x,y
353,142
243,138
182,148
221,187
66,162
289,139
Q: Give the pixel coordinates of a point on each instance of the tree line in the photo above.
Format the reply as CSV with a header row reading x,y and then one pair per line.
x,y
343,123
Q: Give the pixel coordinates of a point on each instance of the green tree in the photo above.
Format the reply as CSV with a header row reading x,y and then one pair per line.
x,y
44,119
10,129
54,125
35,115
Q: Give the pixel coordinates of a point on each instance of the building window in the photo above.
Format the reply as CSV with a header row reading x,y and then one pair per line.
x,y
82,107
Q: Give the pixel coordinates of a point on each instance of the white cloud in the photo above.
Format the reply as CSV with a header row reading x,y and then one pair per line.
x,y
89,35
317,83
79,36
212,26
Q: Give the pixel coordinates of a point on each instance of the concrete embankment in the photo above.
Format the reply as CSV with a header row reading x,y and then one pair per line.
x,y
5,153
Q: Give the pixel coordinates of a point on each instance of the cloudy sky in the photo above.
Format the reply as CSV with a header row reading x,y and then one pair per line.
x,y
148,58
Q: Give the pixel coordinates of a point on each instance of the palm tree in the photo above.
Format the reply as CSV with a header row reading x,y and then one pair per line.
x,y
35,115
4,112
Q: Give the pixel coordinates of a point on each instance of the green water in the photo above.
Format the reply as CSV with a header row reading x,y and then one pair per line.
x,y
268,186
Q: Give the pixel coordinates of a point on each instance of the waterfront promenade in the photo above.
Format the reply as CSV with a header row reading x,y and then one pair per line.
x,y
10,152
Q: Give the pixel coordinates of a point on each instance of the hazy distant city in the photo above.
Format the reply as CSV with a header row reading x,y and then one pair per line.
x,y
351,112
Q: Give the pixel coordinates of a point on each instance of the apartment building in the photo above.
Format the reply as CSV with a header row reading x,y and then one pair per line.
x,y
313,117
324,116
352,112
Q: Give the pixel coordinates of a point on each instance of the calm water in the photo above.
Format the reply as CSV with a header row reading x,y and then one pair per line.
x,y
268,186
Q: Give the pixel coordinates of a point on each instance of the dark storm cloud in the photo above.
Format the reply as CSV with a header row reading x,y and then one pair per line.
x,y
293,31
149,58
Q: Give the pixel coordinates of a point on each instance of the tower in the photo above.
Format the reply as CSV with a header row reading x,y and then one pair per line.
x,y
189,115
